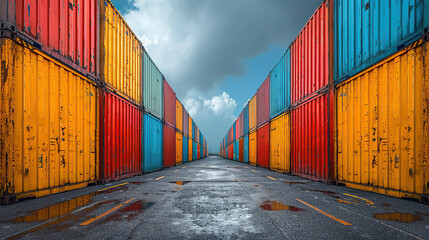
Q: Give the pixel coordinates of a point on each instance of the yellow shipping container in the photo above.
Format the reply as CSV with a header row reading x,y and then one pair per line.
x,y
382,125
280,143
252,113
121,54
253,148
48,125
179,148
190,150
179,116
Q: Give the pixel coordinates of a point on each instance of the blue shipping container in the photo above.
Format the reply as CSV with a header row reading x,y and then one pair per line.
x,y
185,149
246,149
194,151
234,137
246,120
152,144
368,31
280,86
236,150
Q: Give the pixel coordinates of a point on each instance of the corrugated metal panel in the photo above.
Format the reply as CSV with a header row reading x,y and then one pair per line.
x,y
246,120
234,131
179,148
253,148
241,150
185,122
67,32
312,139
169,105
120,138
121,53
280,86
152,87
280,143
179,116
194,151
231,151
169,139
152,144
190,127
48,112
190,158
226,152
246,149
382,126
199,151
365,33
263,102
310,55
264,146
236,150
252,113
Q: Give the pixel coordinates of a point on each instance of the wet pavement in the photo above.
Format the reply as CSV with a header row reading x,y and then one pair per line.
x,y
215,198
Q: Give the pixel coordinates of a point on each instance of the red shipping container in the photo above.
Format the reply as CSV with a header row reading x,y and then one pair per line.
x,y
263,102
241,150
65,29
313,140
120,138
198,152
169,142
310,55
231,151
263,143
169,105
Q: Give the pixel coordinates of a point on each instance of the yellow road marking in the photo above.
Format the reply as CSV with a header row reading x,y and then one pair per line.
x,y
364,199
129,200
176,170
112,186
184,167
160,178
271,178
246,167
106,213
326,214
253,170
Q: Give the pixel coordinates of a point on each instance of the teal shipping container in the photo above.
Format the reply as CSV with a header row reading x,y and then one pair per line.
x,y
152,87
194,150
246,149
185,150
234,131
280,79
152,144
236,150
368,31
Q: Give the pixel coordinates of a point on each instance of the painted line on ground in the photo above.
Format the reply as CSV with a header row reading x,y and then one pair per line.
x,y
159,178
271,178
254,170
325,213
363,199
129,200
176,170
184,167
113,186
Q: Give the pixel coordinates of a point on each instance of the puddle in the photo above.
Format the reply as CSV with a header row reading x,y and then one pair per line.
x,y
277,206
386,205
292,183
422,214
130,212
181,182
398,217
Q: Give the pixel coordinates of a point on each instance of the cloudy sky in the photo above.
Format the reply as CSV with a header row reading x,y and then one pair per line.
x,y
216,53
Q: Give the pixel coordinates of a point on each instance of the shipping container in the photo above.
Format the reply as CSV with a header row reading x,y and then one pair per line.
x,y
236,150
227,152
179,148
48,112
231,151
190,127
253,148
234,131
366,33
246,149
179,116
241,150
246,120
152,144
120,137
169,105
280,143
68,33
152,87
310,55
185,122
263,102
190,158
199,151
263,146
382,116
280,86
169,143
120,51
194,151
252,113
312,139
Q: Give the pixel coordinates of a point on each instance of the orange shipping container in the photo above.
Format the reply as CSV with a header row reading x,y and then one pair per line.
x,y
179,148
179,116
253,148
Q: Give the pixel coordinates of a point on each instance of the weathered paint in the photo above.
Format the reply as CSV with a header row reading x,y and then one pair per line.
x,y
169,143
68,32
120,138
246,149
121,53
179,116
241,150
312,139
369,31
263,146
246,120
310,55
152,144
48,113
252,113
280,143
263,102
179,148
280,86
253,148
152,87
382,118
190,158
169,105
